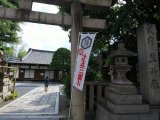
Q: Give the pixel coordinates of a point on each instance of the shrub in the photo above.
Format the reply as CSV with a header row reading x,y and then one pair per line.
x,y
93,75
15,94
67,85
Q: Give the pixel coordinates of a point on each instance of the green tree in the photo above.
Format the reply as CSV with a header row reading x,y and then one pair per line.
x,y
9,51
9,29
22,53
61,59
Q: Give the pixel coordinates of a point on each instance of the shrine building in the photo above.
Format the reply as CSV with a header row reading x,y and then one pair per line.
x,y
35,66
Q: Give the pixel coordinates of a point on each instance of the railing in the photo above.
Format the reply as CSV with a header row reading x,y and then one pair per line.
x,y
93,93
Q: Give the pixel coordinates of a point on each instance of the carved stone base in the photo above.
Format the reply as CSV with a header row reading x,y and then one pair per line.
x,y
103,113
122,102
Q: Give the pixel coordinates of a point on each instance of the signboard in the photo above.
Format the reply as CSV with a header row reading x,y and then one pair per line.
x,y
105,3
83,54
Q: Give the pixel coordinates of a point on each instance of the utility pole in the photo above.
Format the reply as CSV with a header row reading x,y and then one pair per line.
x,y
77,97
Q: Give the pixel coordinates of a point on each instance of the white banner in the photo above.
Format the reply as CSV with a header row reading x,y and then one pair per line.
x,y
83,54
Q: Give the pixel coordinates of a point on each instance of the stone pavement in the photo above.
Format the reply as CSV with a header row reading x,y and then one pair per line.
x,y
36,104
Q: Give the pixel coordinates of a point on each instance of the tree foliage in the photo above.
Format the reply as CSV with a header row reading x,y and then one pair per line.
x,y
124,18
122,21
67,85
22,53
61,59
8,28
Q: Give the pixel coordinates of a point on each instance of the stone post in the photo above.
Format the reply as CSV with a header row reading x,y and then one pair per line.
x,y
148,64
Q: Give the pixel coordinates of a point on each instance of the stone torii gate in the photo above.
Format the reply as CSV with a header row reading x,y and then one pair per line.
x,y
75,20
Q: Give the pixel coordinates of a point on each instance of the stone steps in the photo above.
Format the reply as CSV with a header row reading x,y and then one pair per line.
x,y
115,108
122,89
124,108
124,99
104,114
121,102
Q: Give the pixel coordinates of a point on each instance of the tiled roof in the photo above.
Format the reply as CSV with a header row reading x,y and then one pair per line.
x,y
35,56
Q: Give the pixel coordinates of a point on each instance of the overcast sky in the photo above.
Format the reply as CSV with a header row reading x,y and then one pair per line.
x,y
44,37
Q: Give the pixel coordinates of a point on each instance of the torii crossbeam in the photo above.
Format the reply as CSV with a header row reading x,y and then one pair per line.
x,y
47,18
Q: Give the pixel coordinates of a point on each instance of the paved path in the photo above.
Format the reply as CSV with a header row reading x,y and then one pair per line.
x,y
22,89
36,104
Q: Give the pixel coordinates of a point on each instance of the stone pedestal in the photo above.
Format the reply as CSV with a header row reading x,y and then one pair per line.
x,y
123,103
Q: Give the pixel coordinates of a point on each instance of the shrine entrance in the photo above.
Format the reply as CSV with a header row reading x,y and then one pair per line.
x,y
75,20
121,100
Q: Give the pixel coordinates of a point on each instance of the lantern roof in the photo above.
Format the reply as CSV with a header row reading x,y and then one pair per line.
x,y
122,52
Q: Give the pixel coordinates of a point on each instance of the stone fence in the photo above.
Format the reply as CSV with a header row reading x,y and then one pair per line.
x,y
94,91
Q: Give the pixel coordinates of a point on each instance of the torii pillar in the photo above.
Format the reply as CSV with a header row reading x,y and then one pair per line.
x,y
77,97
77,103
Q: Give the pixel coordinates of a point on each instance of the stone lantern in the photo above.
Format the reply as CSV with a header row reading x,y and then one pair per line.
x,y
122,101
121,67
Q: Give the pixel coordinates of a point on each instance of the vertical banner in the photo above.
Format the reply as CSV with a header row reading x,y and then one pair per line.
x,y
83,53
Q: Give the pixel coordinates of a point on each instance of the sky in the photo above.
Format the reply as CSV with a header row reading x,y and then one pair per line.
x,y
43,37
